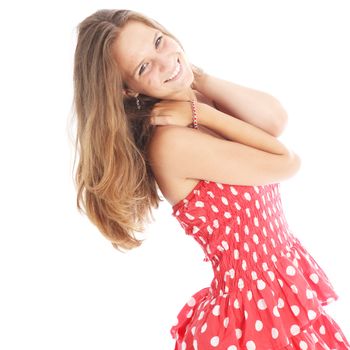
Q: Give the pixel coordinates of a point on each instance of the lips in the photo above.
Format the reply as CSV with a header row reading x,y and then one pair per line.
x,y
177,71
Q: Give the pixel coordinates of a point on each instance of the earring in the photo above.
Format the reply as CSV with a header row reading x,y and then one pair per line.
x,y
138,103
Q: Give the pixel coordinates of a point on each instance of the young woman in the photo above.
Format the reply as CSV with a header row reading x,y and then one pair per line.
x,y
148,119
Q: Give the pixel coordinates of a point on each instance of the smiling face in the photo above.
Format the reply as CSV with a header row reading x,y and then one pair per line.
x,y
152,63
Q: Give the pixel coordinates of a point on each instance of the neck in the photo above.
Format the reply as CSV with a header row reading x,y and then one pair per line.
x,y
183,95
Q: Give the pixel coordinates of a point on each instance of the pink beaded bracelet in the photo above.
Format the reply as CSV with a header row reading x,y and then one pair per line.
x,y
194,115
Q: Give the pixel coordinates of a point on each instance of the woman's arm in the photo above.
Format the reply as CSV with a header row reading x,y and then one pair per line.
x,y
252,106
246,156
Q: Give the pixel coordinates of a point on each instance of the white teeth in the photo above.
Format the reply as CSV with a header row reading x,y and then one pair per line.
x,y
177,70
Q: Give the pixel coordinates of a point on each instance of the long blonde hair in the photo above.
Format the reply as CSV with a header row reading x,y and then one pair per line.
x,y
116,187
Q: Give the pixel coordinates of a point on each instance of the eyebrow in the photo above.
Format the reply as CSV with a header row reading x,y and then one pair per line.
x,y
137,67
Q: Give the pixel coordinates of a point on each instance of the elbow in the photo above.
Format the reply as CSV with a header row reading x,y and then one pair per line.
x,y
294,163
280,120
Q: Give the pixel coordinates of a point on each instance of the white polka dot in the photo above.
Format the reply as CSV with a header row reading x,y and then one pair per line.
x,y
314,337
256,222
294,329
224,200
280,303
271,275
225,245
195,345
214,208
255,257
249,295
311,314
264,266
232,347
246,229
244,265
314,278
236,254
189,314
294,288
261,284
216,223
262,304
215,341
258,325
204,327
295,309
199,204
303,345
240,283
254,275
274,333
233,190
322,330
276,312
227,215
290,270
338,336
203,218
247,196
245,314
195,229
216,310
201,315
250,345
227,229
226,321
309,294
183,346
211,194
193,330
189,216
191,302
238,333
236,304
232,273
255,238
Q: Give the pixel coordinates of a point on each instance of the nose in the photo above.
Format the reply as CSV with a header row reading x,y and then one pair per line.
x,y
164,62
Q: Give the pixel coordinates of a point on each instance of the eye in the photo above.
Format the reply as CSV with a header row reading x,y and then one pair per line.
x,y
158,41
142,69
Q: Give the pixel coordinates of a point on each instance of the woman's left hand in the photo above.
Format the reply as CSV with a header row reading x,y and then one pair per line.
x,y
171,112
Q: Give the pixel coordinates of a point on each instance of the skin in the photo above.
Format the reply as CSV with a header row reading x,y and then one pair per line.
x,y
137,43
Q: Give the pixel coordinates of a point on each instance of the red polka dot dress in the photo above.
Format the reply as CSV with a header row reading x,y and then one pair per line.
x,y
267,292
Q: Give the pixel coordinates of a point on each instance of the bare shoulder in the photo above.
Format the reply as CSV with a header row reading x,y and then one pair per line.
x,y
163,160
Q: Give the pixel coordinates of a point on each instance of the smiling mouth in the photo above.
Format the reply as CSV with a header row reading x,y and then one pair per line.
x,y
175,73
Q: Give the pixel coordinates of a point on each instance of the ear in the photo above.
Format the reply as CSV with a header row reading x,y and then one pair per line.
x,y
129,93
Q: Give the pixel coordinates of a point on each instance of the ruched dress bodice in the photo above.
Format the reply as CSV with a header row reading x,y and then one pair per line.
x,y
267,291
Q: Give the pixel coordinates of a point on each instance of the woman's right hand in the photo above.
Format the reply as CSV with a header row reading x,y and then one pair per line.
x,y
171,112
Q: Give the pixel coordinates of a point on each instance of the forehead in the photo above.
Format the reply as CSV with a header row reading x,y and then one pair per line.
x,y
132,44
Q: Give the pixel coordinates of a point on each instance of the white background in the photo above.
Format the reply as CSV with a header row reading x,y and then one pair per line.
x,y
63,286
